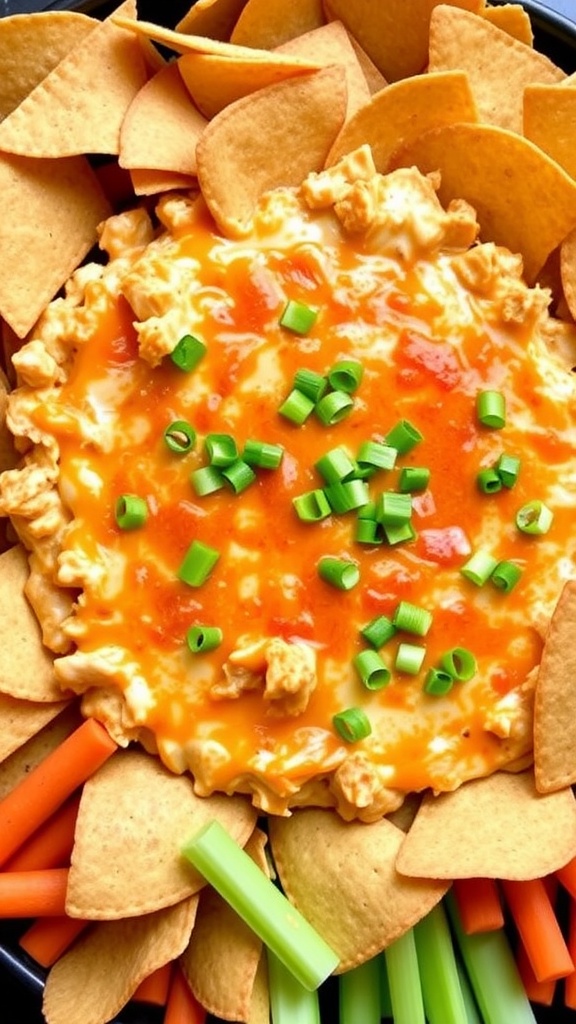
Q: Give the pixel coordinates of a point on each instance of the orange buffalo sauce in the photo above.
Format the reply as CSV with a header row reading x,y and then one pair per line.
x,y
428,346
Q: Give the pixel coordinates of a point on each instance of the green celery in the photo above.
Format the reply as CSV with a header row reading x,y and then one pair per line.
x,y
359,994
443,998
404,980
290,1002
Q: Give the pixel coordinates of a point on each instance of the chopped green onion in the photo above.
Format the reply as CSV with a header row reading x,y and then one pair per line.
x,y
508,469
335,465
347,495
298,317
310,383
179,437
130,511
290,1002
262,454
338,572
367,531
404,980
411,618
188,353
296,407
260,904
239,475
197,564
506,575
221,449
201,639
346,375
459,663
443,999
438,682
413,478
352,724
206,480
359,993
312,506
479,567
394,509
375,455
399,534
333,407
379,631
368,511
374,674
403,437
491,409
409,658
534,518
489,481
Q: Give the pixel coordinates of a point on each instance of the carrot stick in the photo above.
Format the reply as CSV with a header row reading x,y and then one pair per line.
x,y
541,992
48,937
182,1007
45,789
570,981
33,893
51,844
538,928
567,876
154,989
479,905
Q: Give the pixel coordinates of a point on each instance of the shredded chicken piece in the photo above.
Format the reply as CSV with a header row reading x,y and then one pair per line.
x,y
361,791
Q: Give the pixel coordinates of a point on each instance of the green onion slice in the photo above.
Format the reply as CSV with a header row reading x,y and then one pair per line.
x,y
201,639
338,572
130,511
296,407
409,658
179,437
491,409
379,631
346,375
506,575
312,506
221,449
399,534
298,317
534,518
333,407
263,454
413,478
188,353
479,567
508,469
394,509
335,465
374,674
489,481
197,564
367,531
352,724
347,495
438,682
375,455
459,663
403,437
206,480
310,383
239,475
411,618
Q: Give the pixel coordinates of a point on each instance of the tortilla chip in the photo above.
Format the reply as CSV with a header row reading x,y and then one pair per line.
x,y
269,23
513,19
493,827
299,120
555,699
65,115
49,212
162,121
31,45
331,44
21,721
499,67
341,876
568,271
26,667
260,1002
374,78
134,817
550,122
214,81
150,182
504,177
393,34
93,981
212,18
223,954
401,112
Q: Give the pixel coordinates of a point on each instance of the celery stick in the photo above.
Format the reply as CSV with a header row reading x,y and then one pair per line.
x,y
493,973
290,1002
443,1000
385,1002
472,1014
404,980
260,904
359,994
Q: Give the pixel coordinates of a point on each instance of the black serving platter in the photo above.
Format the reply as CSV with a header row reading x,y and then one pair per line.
x,y
21,980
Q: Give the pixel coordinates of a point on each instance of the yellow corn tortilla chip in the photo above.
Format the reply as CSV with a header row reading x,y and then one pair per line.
x,y
162,121
134,817
269,23
65,115
150,182
393,34
20,722
499,67
493,827
374,78
555,699
183,42
93,981
212,18
404,110
26,667
49,212
568,272
341,876
260,1003
513,19
504,177
215,81
299,120
222,957
31,45
550,122
331,44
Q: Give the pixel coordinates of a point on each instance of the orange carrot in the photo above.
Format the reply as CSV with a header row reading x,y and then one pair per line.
x,y
182,1007
538,928
479,904
570,981
541,992
45,789
48,937
33,893
154,989
567,876
51,844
